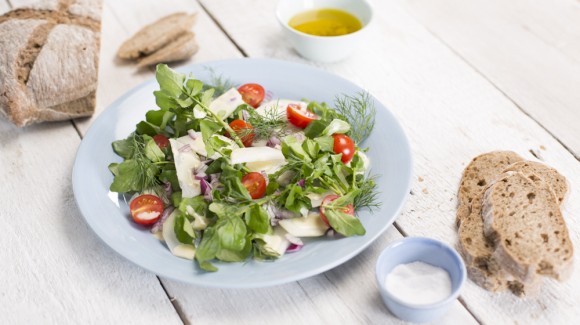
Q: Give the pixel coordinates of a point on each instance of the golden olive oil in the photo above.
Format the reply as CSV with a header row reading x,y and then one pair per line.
x,y
325,22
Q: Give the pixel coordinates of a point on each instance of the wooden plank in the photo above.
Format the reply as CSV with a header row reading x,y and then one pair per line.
x,y
529,51
4,6
451,114
346,295
54,269
116,76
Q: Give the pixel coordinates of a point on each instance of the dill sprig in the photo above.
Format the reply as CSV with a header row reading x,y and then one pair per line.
x,y
359,111
146,170
271,123
218,82
368,197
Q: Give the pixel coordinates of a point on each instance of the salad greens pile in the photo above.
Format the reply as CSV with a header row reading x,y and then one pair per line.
x,y
225,223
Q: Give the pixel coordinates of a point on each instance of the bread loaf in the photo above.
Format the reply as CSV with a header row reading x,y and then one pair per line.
x,y
522,217
49,54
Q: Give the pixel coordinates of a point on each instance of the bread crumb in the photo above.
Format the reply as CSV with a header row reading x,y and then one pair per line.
x,y
542,147
420,179
425,191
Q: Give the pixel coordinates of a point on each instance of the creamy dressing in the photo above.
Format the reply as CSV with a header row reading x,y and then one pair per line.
x,y
419,283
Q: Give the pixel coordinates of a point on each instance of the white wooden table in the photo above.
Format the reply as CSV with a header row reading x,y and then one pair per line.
x,y
463,77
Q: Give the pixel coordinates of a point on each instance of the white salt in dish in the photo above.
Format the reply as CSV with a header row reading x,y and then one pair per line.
x,y
418,283
427,251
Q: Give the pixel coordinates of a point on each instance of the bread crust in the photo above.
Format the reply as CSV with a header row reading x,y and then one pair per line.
x,y
521,215
49,62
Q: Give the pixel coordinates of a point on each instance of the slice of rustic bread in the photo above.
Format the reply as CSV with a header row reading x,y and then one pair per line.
x,y
522,217
156,35
557,181
180,49
480,172
477,251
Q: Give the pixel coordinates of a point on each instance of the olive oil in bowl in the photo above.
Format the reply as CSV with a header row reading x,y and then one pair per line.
x,y
325,22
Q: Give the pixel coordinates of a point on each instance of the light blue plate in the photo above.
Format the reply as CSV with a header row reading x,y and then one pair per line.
x,y
108,215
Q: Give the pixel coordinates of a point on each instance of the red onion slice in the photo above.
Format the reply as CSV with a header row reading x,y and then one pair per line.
x,y
158,226
293,248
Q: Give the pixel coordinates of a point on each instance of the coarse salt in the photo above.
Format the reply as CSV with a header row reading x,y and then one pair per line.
x,y
419,283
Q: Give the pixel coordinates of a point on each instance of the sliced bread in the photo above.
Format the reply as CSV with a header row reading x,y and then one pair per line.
x,y
477,251
480,172
522,217
180,49
557,181
156,35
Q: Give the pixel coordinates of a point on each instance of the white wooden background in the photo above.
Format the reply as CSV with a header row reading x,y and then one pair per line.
x,y
463,77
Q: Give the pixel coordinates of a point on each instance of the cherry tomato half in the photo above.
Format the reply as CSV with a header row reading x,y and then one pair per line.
x,y
244,130
349,209
343,144
161,141
298,116
255,183
146,209
252,94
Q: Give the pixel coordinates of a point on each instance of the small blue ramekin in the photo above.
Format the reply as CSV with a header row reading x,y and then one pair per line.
x,y
427,250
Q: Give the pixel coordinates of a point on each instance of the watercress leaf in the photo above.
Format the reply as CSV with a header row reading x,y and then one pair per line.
x,y
207,97
147,128
344,223
208,128
272,187
164,100
315,128
207,249
257,219
231,179
326,143
311,148
291,148
336,126
176,198
169,174
127,178
124,148
229,255
215,166
197,203
295,200
345,200
232,233
183,229
170,81
114,168
153,152
193,86
323,111
159,118
184,102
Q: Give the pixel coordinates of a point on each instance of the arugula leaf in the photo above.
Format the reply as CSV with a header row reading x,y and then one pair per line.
x,y
315,128
183,229
170,81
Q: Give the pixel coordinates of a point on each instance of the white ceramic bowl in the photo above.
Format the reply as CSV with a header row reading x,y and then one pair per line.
x,y
427,250
324,48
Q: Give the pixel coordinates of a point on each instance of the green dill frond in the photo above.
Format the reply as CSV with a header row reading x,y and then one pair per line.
x,y
368,198
218,82
359,110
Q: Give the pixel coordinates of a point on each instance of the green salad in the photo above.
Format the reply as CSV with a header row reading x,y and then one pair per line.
x,y
223,173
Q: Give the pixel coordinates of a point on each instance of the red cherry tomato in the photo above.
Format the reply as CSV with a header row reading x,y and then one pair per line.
x,y
252,94
146,209
349,209
244,130
255,183
161,141
298,116
343,144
